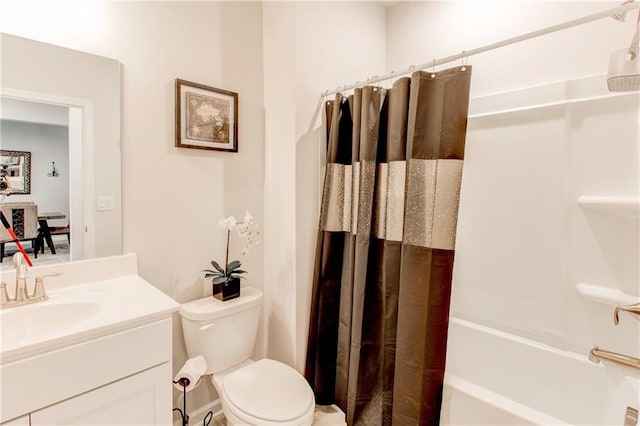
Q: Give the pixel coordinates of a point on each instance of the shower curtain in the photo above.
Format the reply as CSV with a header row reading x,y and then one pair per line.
x,y
382,281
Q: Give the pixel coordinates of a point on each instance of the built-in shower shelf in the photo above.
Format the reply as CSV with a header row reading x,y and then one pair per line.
x,y
606,295
625,206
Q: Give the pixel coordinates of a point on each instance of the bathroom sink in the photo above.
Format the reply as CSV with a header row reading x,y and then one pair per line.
x,y
77,313
64,314
52,316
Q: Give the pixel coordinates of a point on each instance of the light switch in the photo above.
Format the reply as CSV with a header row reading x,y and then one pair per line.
x,y
105,203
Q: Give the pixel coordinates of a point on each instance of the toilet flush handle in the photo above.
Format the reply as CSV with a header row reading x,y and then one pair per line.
x,y
207,326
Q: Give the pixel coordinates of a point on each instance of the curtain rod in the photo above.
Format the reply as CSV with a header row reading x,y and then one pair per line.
x,y
618,12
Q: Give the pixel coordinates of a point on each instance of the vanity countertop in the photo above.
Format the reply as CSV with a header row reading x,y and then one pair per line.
x,y
78,312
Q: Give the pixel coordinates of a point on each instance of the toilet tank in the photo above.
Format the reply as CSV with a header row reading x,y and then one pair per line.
x,y
224,333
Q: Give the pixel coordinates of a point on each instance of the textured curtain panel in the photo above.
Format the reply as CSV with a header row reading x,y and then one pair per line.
x,y
382,284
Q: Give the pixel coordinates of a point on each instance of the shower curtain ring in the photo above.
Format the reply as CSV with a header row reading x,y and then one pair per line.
x,y
433,69
373,80
463,60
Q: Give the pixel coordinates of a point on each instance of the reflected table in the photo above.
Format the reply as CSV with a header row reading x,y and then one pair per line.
x,y
43,217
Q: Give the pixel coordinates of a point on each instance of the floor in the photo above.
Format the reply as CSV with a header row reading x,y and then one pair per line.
x,y
219,420
325,415
46,258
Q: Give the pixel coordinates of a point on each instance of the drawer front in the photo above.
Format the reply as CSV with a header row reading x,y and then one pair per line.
x,y
36,382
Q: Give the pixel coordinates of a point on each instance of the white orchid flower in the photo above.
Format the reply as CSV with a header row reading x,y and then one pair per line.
x,y
248,218
229,223
248,230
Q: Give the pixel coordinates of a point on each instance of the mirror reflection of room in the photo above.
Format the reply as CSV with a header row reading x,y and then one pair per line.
x,y
34,164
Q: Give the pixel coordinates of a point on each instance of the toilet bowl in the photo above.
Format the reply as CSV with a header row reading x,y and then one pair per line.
x,y
264,392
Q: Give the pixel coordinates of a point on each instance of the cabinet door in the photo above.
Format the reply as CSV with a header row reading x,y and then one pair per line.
x,y
141,399
20,421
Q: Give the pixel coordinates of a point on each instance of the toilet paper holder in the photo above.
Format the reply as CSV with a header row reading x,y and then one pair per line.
x,y
184,382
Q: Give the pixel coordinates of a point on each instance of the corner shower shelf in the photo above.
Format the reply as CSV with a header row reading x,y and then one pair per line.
x,y
606,295
624,206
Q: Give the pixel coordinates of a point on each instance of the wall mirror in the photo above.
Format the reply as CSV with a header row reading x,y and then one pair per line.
x,y
15,170
87,88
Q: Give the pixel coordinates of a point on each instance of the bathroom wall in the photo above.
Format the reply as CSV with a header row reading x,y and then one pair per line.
x,y
309,47
523,243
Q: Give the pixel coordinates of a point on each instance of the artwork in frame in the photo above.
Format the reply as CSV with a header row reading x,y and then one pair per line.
x,y
15,172
206,117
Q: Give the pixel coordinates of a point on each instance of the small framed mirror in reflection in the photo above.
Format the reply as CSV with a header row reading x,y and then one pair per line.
x,y
15,170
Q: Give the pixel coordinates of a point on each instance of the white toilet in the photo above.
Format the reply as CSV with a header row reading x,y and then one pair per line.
x,y
264,392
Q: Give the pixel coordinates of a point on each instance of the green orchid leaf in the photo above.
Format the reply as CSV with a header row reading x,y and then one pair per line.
x,y
218,267
219,280
239,271
233,265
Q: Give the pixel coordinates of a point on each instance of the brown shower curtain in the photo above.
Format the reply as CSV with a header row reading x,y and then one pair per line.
x,y
382,284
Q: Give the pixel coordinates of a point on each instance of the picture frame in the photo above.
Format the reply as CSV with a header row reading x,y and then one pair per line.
x,y
15,171
206,117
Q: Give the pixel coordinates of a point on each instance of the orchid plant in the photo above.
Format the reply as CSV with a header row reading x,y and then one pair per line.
x,y
247,229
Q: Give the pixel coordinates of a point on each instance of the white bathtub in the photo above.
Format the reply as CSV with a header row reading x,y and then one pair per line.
x,y
496,378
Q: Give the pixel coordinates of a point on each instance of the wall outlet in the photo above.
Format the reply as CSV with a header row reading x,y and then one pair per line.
x,y
105,203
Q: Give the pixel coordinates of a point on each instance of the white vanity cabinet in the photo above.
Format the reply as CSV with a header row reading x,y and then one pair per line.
x,y
141,399
110,365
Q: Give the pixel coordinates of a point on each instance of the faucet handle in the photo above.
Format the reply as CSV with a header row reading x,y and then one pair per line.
x,y
4,294
632,309
39,291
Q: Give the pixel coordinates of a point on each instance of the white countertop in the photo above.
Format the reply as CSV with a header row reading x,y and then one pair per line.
x,y
79,312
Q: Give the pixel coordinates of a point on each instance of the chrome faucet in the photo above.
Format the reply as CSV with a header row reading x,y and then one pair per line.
x,y
21,295
21,292
632,309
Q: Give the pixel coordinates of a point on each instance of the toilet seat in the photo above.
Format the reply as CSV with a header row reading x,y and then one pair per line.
x,y
268,392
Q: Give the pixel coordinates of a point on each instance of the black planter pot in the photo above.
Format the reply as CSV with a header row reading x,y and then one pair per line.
x,y
227,291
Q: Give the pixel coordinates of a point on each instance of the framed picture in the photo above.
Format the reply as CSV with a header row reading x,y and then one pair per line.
x,y
15,172
206,117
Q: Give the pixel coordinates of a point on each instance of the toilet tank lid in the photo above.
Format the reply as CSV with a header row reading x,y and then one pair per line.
x,y
209,307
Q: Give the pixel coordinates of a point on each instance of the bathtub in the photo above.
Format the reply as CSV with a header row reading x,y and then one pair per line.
x,y
496,378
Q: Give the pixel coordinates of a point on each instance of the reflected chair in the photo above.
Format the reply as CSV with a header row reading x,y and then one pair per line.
x,y
23,218
53,230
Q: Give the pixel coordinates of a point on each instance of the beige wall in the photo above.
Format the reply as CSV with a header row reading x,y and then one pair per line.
x,y
309,47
